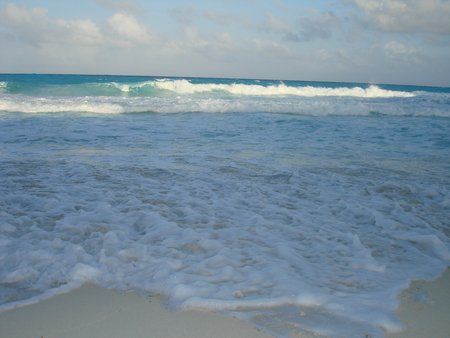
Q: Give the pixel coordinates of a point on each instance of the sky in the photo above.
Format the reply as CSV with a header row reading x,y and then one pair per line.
x,y
364,41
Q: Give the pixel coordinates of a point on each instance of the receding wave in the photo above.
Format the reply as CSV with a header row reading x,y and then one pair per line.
x,y
428,105
37,106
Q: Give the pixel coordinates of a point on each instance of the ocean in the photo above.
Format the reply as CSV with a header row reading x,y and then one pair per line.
x,y
292,205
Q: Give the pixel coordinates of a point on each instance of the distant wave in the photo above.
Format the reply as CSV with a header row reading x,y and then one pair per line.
x,y
170,95
183,86
164,87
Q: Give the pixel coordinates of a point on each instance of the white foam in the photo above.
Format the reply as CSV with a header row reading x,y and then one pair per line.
x,y
183,86
127,88
330,217
268,249
312,106
38,105
428,242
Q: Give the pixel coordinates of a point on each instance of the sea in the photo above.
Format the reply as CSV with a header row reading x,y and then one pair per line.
x,y
296,206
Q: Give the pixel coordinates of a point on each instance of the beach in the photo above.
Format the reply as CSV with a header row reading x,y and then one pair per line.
x,y
94,312
90,311
425,309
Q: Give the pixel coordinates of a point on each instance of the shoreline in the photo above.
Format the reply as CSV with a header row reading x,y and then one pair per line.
x,y
91,311
425,309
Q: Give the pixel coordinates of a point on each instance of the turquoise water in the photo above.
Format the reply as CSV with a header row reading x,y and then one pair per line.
x,y
293,205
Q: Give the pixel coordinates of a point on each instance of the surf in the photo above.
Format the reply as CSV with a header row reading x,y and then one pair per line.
x,y
184,86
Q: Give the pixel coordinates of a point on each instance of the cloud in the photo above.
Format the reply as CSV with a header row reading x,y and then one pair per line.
x,y
281,5
271,24
399,52
318,25
124,6
128,30
407,16
34,27
315,25
271,49
122,30
219,47
225,19
7,36
186,14
336,59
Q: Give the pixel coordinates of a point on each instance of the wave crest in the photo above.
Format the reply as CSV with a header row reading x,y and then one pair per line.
x,y
164,87
183,86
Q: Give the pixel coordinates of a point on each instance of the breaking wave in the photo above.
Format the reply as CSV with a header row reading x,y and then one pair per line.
x,y
182,87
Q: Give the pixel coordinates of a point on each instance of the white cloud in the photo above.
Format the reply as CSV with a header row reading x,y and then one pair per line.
x,y
316,25
395,48
271,24
186,14
399,52
191,33
125,6
225,19
83,32
219,47
129,30
271,49
408,16
33,26
337,60
281,5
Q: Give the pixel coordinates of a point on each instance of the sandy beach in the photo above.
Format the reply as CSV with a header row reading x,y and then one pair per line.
x,y
94,312
425,309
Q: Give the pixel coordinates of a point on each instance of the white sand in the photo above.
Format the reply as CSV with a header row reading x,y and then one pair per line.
x,y
92,312
98,313
423,319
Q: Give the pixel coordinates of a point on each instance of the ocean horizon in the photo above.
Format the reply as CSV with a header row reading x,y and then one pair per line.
x,y
129,76
294,205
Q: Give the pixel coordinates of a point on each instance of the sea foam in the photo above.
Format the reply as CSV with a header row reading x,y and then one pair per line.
x,y
289,212
326,106
185,87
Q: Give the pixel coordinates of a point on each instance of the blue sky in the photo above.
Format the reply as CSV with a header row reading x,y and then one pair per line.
x,y
372,41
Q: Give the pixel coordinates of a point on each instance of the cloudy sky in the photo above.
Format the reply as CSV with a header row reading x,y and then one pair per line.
x,y
372,41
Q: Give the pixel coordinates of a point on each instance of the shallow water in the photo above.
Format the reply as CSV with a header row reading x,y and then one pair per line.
x,y
295,210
